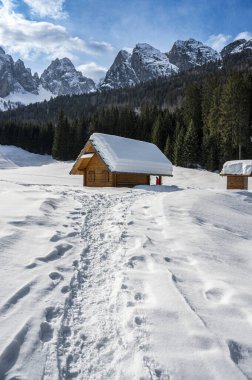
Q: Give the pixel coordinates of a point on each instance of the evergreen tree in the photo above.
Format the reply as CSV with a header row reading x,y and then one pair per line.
x,y
168,150
157,134
61,149
178,156
191,153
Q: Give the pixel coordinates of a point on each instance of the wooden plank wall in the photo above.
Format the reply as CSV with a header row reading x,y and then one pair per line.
x,y
237,182
98,170
125,179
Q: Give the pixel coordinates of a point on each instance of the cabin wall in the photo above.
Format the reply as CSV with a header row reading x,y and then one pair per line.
x,y
129,179
97,175
237,182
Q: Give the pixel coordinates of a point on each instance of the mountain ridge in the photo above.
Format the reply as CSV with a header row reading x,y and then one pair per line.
x,y
19,86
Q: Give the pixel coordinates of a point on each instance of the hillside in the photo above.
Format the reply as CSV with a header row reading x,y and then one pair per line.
x,y
128,283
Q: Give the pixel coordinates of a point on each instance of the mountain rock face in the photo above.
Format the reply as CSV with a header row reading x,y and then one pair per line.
x,y
190,53
238,46
6,74
25,78
145,63
149,63
15,77
61,78
120,74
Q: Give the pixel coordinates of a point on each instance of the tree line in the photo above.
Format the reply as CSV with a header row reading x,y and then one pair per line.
x,y
212,122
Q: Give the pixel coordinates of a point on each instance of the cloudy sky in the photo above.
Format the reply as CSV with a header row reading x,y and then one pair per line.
x,y
91,32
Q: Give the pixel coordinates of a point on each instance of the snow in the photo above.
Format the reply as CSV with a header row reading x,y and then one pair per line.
x,y
197,52
87,155
238,167
130,156
122,284
154,57
25,98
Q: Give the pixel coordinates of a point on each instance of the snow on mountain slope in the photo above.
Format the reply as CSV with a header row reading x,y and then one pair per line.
x,y
14,99
122,283
238,46
191,53
19,86
61,78
145,63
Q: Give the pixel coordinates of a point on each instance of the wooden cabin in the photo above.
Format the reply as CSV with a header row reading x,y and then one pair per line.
x,y
237,173
107,161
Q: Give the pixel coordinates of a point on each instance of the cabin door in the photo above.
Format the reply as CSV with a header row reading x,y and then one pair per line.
x,y
91,176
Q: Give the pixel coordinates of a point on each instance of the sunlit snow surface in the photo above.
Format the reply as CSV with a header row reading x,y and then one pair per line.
x,y
24,98
238,167
122,284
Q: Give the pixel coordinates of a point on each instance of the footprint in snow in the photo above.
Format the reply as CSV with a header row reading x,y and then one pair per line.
x,y
31,266
214,294
139,321
65,289
55,276
135,261
102,343
139,296
56,253
46,332
167,259
52,313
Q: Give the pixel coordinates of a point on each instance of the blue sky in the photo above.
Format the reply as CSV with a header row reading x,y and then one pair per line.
x,y
91,32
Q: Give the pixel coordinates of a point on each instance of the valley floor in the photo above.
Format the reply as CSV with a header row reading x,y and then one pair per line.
x,y
122,284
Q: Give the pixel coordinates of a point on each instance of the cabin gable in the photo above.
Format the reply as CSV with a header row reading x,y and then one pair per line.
x,y
97,174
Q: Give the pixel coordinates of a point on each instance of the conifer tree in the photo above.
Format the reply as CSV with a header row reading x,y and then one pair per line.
x,y
191,152
62,139
235,115
168,149
157,132
178,156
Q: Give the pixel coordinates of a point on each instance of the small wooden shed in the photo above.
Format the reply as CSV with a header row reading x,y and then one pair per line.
x,y
237,173
108,160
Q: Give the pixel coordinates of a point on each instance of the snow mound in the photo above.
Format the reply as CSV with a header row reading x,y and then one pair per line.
x,y
238,167
130,156
13,157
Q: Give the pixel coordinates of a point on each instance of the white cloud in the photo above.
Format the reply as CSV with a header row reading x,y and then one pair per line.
x,y
218,41
128,49
47,8
29,38
92,70
243,35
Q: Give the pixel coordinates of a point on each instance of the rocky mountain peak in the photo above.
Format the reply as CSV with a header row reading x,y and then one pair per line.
x,y
2,50
120,74
237,46
190,53
145,63
24,77
61,78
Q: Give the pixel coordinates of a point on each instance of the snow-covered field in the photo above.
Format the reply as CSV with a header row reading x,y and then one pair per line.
x,y
122,284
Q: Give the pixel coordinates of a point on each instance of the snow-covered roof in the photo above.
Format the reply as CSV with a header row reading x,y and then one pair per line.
x,y
125,155
238,167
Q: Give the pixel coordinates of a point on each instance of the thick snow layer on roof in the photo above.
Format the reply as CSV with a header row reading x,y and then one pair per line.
x,y
239,167
131,156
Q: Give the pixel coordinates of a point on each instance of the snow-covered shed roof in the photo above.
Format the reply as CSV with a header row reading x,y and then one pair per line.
x,y
123,155
238,167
